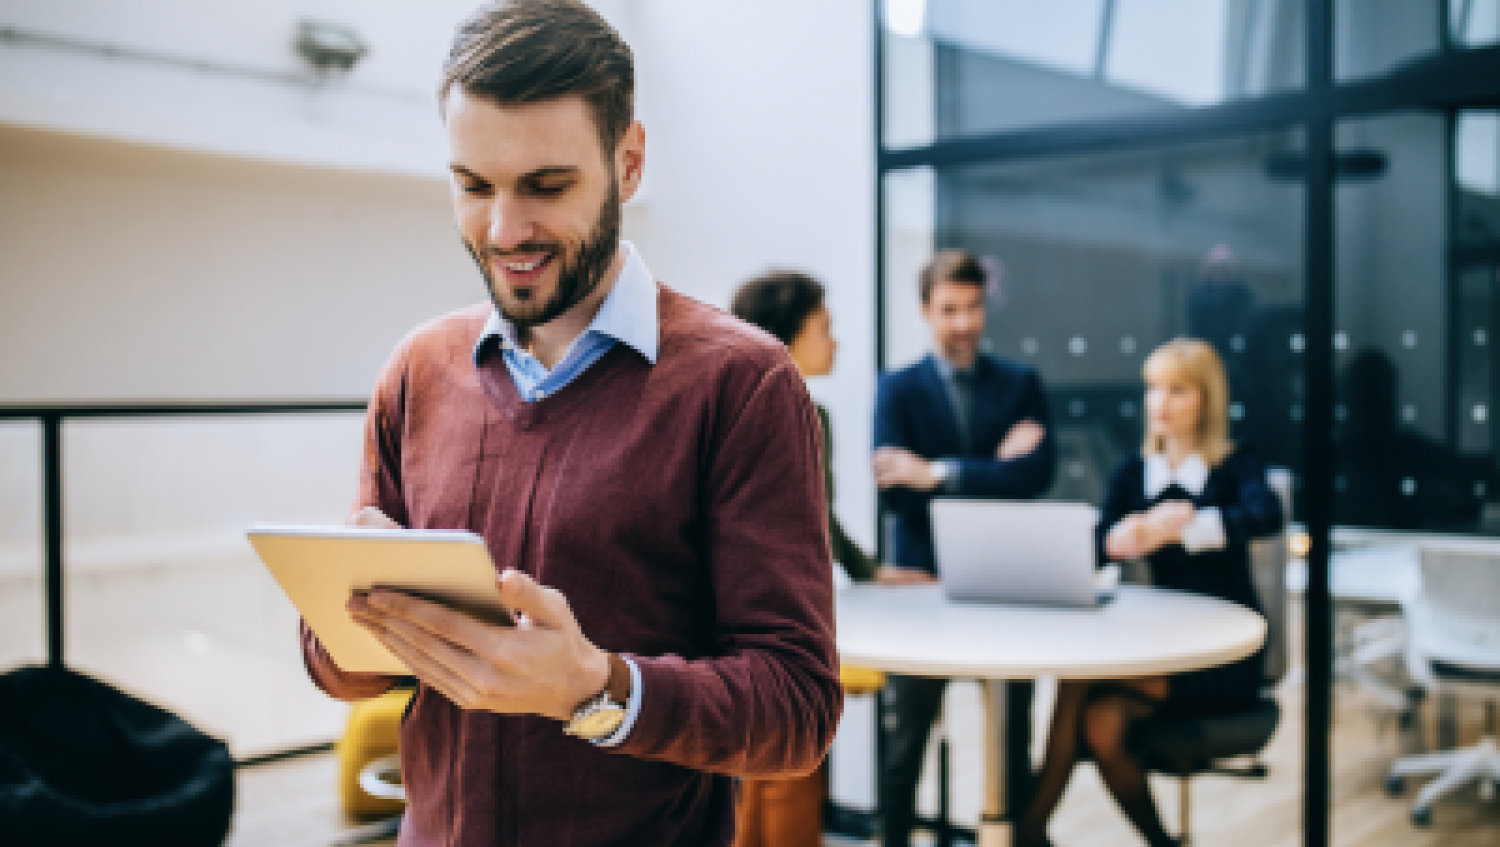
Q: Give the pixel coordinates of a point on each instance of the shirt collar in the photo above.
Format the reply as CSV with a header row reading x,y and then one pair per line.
x,y
945,368
1192,474
628,313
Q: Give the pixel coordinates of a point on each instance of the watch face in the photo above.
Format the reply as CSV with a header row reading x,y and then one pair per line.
x,y
599,723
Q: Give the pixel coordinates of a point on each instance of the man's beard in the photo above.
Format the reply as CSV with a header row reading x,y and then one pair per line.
x,y
959,350
578,274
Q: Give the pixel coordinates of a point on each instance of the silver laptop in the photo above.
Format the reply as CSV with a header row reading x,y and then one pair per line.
x,y
1001,551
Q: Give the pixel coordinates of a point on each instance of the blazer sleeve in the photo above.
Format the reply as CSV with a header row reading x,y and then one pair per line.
x,y
1015,479
1116,506
379,486
893,429
1253,511
767,702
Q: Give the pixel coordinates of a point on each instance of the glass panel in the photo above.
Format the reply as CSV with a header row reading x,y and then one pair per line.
x,y
1416,450
1417,254
1201,240
1076,59
1474,263
23,636
1096,260
164,597
1474,23
1375,37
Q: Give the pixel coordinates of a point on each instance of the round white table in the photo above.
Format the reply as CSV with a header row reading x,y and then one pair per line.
x,y
1144,631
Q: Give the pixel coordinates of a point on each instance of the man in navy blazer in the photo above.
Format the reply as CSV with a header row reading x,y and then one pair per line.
x,y
958,423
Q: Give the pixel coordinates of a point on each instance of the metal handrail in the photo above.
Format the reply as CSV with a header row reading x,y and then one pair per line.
x,y
51,418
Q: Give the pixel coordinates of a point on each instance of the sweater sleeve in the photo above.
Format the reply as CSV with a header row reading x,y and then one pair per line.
x,y
379,486
892,429
847,553
767,702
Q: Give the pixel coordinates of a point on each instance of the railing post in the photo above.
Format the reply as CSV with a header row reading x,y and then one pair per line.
x,y
52,518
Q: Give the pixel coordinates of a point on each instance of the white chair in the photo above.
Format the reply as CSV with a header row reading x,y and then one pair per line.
x,y
1453,648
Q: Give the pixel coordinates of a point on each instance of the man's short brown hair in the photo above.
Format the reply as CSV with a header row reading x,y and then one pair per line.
x,y
516,52
958,266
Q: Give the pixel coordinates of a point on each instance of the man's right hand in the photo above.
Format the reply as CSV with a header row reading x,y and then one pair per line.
x,y
897,575
1023,438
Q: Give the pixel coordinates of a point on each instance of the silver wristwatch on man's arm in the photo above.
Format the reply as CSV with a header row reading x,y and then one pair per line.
x,y
601,716
942,470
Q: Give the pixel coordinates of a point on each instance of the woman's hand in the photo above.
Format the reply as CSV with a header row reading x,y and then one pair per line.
x,y
1167,520
1143,533
1127,539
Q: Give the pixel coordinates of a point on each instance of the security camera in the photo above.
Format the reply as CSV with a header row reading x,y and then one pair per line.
x,y
328,46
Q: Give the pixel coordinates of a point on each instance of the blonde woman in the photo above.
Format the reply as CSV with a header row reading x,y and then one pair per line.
x,y
1189,505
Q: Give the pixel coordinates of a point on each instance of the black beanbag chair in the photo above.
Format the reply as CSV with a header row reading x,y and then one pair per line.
x,y
84,763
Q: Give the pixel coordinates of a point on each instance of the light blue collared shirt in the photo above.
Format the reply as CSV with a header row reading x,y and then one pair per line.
x,y
628,315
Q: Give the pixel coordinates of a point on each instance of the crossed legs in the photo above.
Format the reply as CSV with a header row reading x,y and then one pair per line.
x,y
1095,717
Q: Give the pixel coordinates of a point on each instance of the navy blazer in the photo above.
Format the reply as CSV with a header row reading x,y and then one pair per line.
x,y
913,410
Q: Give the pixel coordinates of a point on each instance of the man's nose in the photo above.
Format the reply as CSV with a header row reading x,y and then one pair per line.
x,y
509,225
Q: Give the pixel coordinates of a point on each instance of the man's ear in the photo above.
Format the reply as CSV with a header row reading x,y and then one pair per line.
x,y
630,160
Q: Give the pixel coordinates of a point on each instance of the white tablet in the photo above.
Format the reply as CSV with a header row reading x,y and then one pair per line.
x,y
319,567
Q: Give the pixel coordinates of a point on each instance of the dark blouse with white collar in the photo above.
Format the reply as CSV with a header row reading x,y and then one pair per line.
x,y
1249,509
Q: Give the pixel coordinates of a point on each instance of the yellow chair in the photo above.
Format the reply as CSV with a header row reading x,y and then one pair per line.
x,y
371,734
859,681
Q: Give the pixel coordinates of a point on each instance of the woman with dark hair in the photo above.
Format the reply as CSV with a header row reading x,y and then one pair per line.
x,y
789,305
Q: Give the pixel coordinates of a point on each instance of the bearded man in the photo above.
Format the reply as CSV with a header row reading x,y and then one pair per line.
x,y
643,469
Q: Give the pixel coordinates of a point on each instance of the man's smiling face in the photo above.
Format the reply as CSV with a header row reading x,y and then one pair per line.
x,y
537,199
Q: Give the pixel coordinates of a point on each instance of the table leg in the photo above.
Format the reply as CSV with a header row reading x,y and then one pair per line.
x,y
994,828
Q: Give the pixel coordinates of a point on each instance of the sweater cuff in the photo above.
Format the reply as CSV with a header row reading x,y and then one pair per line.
x,y
1204,532
653,730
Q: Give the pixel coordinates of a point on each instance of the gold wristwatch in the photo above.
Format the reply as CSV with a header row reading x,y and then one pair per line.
x,y
600,716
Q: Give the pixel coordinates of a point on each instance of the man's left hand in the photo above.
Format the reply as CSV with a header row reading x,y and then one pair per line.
x,y
896,466
544,665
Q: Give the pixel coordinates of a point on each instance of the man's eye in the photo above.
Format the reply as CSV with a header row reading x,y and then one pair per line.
x,y
473,187
550,190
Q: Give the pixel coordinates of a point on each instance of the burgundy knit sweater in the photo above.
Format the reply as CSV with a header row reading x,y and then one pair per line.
x,y
679,507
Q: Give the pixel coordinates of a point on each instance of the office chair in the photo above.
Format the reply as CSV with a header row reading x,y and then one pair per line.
x,y
1453,647
1186,747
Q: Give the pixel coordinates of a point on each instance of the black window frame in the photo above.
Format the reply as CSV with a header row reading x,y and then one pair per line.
x,y
1452,78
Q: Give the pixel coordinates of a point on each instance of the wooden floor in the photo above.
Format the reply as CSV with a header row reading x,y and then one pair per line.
x,y
295,802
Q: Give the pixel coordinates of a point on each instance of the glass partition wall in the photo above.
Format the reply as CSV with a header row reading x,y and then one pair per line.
x,y
1309,185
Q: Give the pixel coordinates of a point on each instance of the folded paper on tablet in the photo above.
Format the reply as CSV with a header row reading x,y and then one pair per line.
x,y
320,567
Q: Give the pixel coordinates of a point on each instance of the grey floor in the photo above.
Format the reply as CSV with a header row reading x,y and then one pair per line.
x,y
295,801
216,642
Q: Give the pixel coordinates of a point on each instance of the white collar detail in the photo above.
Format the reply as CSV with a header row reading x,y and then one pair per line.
x,y
1192,474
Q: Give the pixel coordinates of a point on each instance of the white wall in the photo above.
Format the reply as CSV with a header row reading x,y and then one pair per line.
x,y
760,151
254,97
760,154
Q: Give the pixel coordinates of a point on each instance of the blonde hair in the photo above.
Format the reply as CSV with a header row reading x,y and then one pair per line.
x,y
1197,363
